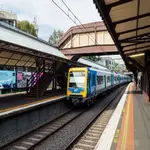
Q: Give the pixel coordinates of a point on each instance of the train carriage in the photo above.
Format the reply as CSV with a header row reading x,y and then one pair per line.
x,y
84,84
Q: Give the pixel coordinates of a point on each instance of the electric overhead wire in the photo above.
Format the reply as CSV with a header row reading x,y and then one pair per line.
x,y
70,17
79,21
75,17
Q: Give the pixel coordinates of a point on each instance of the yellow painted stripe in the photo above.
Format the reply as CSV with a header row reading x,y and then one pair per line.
x,y
124,139
25,105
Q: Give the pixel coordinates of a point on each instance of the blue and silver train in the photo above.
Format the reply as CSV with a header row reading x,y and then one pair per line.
x,y
84,84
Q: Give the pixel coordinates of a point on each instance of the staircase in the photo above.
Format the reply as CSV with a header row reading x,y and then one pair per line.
x,y
39,81
37,88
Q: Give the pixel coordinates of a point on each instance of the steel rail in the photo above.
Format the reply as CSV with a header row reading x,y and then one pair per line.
x,y
49,129
70,145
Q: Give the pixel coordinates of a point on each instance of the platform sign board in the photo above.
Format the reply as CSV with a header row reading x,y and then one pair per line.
x,y
7,79
22,79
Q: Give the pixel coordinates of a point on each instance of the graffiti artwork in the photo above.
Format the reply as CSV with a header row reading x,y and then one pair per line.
x,y
22,79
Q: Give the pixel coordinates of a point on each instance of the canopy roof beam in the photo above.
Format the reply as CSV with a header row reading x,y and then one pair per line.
x,y
118,3
136,48
138,37
132,18
138,66
139,28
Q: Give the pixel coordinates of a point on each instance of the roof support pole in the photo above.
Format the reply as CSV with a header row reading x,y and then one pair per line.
x,y
54,76
147,75
37,83
43,65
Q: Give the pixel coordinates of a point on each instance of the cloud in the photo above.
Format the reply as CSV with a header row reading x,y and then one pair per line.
x,y
49,17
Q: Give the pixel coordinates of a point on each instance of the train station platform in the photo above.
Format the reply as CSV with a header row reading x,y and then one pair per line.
x,y
129,126
17,102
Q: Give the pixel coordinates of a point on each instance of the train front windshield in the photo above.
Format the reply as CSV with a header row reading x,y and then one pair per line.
x,y
77,79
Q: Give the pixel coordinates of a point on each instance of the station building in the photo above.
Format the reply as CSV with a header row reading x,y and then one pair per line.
x,y
8,17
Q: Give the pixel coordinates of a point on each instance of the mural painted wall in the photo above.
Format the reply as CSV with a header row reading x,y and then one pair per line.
x,y
7,79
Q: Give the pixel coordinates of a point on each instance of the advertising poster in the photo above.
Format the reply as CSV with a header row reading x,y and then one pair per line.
x,y
7,79
22,79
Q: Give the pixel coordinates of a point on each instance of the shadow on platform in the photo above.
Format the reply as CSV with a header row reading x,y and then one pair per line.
x,y
135,92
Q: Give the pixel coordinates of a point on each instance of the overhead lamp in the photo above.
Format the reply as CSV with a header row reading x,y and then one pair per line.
x,y
137,55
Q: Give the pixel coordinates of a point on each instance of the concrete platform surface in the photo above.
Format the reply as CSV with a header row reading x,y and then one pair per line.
x,y
20,101
132,130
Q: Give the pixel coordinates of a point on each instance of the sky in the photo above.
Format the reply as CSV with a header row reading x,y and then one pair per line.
x,y
49,16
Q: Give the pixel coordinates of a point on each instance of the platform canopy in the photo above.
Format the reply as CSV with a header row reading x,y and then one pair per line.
x,y
21,49
128,22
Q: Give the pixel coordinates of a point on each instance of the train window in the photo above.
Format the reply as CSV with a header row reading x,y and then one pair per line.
x,y
76,85
77,73
108,79
100,80
77,79
93,80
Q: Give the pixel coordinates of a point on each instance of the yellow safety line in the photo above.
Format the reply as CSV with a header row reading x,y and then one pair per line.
x,y
24,105
124,139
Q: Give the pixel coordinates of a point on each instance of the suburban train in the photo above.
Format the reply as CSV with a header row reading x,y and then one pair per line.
x,y
84,84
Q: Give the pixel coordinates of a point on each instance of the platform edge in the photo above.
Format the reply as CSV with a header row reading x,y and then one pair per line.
x,y
108,134
29,106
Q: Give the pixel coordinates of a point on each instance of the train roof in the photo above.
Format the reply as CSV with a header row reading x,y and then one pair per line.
x,y
93,64
103,71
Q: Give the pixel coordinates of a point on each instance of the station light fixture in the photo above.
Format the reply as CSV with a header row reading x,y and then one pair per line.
x,y
137,55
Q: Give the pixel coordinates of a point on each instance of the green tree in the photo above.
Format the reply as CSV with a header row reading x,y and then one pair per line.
x,y
27,27
55,37
115,67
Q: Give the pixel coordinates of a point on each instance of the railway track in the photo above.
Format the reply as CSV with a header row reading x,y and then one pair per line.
x,y
68,131
88,138
36,137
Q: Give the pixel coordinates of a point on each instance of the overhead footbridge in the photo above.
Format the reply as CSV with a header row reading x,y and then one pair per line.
x,y
87,39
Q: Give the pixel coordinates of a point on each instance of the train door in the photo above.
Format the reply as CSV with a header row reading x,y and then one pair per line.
x,y
92,85
119,79
112,79
105,80
88,84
